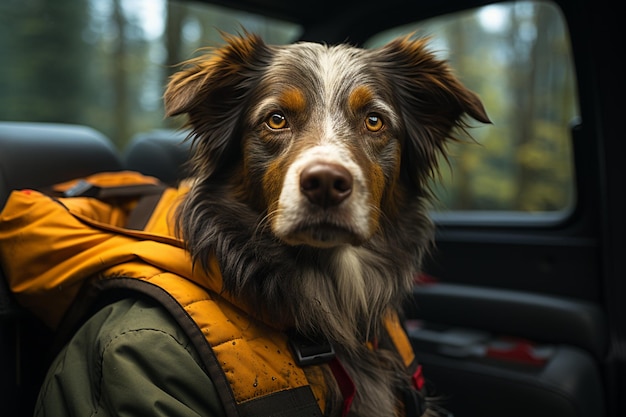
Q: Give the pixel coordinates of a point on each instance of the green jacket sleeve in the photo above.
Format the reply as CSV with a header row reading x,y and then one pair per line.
x,y
130,359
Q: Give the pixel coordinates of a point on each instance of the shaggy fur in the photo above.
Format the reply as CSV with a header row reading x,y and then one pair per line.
x,y
310,164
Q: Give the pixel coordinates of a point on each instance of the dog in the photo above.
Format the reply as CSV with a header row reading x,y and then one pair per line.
x,y
310,169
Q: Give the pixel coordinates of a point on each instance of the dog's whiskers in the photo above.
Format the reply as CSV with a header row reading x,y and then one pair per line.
x,y
264,223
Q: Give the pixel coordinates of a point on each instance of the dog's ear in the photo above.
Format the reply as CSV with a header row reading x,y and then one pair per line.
x,y
220,71
432,100
212,90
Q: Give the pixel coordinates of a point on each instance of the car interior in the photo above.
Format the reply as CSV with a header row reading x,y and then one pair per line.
x,y
515,314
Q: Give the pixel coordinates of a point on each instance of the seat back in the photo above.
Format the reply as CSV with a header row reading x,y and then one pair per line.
x,y
160,153
35,155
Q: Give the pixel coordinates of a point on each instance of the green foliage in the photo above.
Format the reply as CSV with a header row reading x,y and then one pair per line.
x,y
38,77
105,63
516,56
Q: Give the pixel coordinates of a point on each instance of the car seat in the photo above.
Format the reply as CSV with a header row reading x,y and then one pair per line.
x,y
514,366
160,153
35,155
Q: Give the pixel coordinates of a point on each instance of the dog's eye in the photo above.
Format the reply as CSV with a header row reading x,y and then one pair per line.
x,y
373,122
276,121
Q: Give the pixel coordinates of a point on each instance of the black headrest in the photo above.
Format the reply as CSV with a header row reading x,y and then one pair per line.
x,y
159,153
34,155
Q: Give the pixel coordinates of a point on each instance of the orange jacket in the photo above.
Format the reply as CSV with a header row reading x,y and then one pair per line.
x,y
50,247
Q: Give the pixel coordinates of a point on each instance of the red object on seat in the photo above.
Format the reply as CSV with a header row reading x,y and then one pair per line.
x,y
516,350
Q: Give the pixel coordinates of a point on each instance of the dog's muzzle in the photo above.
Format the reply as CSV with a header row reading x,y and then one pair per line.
x,y
323,201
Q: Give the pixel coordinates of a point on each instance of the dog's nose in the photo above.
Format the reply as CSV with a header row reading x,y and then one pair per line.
x,y
325,184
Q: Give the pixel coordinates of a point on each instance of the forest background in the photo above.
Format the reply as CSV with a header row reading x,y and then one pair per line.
x,y
104,63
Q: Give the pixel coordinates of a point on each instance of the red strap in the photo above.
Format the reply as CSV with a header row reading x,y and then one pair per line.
x,y
346,385
418,378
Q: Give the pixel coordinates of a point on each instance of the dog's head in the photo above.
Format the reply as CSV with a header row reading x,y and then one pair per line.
x,y
320,141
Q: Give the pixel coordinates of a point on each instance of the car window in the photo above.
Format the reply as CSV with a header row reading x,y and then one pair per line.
x,y
517,57
104,63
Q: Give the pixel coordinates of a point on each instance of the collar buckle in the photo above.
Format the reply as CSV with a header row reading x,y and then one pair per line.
x,y
310,352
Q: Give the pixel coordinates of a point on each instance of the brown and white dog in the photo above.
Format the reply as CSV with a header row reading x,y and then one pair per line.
x,y
310,166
